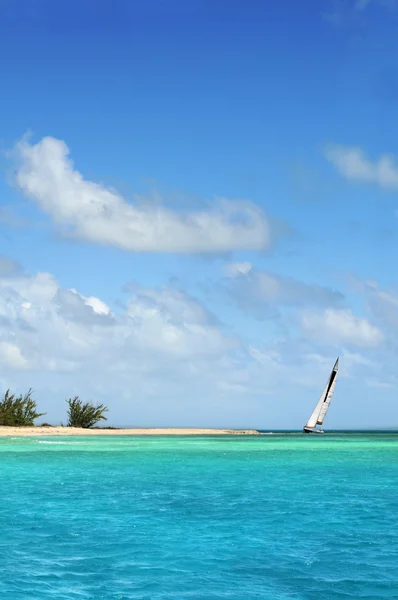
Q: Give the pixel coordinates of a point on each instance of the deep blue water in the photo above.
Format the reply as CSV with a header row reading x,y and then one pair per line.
x,y
271,517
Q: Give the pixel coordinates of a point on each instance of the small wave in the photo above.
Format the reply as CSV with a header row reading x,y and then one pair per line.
x,y
58,443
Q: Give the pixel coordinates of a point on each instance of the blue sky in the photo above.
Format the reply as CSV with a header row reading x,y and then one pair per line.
x,y
216,183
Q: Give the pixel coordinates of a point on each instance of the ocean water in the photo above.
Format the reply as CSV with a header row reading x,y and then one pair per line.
x,y
274,517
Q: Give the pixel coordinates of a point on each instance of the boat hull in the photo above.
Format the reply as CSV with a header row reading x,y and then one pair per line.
x,y
315,431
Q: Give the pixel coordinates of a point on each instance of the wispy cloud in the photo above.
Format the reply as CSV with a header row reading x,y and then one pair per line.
x,y
263,293
351,12
353,164
341,326
382,304
361,4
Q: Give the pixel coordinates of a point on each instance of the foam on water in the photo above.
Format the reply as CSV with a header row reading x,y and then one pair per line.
x,y
242,518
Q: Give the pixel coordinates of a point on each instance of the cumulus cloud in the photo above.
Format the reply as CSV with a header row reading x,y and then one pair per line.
x,y
11,356
341,326
262,293
353,164
53,326
162,358
92,212
162,345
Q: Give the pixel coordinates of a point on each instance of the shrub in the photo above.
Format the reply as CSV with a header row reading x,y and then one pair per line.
x,y
84,414
18,411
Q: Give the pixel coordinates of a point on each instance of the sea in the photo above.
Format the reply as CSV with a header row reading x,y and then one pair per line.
x,y
279,516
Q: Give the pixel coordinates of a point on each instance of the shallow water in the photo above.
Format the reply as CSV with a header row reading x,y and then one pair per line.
x,y
271,517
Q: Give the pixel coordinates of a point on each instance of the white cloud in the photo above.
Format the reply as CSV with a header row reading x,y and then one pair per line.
x,y
65,324
169,321
163,348
340,326
262,293
100,215
163,359
99,307
11,356
236,269
352,163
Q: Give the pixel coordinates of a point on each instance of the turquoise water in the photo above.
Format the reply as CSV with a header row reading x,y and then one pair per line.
x,y
273,517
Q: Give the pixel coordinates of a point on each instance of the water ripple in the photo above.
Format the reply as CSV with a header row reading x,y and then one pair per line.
x,y
241,519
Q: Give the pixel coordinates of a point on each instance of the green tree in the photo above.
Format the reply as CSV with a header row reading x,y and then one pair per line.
x,y
18,411
84,414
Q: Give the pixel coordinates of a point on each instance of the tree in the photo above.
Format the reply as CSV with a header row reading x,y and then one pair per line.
x,y
84,414
20,411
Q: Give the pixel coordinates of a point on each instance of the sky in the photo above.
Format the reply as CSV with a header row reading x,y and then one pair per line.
x,y
198,209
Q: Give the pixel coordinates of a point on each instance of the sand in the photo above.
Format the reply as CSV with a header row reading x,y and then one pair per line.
x,y
35,431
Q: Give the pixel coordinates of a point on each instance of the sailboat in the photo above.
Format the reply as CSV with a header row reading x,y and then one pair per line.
x,y
322,406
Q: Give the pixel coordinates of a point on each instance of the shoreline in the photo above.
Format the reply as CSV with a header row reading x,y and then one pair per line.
x,y
60,431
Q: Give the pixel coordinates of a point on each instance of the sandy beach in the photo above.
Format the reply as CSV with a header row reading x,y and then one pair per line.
x,y
34,431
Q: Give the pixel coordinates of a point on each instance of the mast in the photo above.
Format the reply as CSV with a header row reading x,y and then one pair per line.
x,y
322,406
332,385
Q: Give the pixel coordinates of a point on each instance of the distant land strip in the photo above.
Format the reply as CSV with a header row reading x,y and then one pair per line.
x,y
49,431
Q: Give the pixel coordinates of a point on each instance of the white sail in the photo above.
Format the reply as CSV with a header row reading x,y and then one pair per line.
x,y
312,421
322,406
